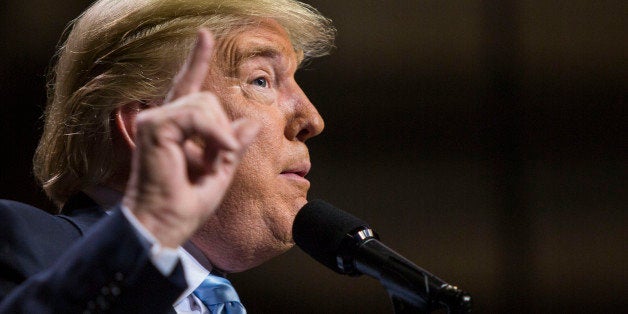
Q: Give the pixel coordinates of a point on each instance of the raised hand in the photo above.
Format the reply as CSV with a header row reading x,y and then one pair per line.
x,y
187,151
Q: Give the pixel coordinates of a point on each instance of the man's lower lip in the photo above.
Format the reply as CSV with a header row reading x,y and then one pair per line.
x,y
294,176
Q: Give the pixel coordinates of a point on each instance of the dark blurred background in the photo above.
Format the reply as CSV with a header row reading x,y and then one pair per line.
x,y
484,140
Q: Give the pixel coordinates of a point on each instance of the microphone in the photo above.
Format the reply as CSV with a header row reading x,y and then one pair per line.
x,y
347,245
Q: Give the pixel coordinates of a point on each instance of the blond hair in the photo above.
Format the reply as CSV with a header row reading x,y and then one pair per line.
x,y
122,51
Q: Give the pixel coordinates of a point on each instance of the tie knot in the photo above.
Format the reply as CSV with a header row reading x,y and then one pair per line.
x,y
219,296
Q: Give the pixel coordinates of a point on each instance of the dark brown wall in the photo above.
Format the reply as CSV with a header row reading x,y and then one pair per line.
x,y
484,140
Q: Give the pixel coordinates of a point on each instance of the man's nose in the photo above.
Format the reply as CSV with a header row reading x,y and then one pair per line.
x,y
306,122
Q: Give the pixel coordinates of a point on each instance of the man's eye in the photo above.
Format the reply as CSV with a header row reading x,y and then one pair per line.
x,y
260,81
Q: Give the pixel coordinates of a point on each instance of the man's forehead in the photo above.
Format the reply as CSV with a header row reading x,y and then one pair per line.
x,y
265,40
251,47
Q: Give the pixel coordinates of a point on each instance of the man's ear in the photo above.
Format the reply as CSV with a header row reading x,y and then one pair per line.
x,y
125,122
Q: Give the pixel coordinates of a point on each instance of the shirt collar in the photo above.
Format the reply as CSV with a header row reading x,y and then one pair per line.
x,y
195,273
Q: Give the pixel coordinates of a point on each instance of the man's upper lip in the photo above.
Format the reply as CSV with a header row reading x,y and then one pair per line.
x,y
301,169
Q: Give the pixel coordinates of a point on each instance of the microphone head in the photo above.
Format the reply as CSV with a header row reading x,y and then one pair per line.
x,y
323,231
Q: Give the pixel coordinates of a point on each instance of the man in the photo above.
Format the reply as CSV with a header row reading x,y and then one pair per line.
x,y
161,181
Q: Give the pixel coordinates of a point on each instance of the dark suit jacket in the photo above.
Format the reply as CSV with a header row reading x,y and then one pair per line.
x,y
54,264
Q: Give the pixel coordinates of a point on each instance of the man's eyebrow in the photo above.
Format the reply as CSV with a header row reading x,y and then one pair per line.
x,y
266,51
263,51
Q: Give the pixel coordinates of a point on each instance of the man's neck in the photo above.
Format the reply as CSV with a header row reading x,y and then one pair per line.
x,y
201,258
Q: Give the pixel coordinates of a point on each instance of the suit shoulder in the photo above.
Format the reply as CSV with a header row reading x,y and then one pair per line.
x,y
9,209
14,215
31,238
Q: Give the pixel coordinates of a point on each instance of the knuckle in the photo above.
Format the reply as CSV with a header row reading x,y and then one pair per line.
x,y
201,103
144,120
150,120
206,98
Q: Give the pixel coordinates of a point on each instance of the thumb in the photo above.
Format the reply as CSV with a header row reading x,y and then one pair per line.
x,y
245,131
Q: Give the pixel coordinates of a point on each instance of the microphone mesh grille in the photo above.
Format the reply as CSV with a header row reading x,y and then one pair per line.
x,y
319,229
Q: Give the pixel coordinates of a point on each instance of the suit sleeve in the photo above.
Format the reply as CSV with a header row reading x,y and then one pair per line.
x,y
108,270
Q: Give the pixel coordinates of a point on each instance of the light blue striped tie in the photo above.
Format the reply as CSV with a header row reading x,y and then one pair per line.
x,y
219,296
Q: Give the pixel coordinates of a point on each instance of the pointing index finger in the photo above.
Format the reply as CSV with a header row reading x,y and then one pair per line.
x,y
193,73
